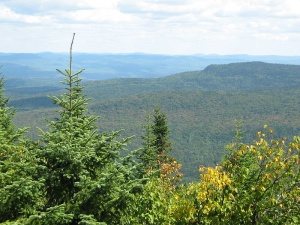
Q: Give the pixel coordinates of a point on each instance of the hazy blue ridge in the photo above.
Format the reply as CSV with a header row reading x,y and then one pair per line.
x,y
110,66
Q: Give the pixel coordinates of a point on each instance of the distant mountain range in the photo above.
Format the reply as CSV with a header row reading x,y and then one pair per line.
x,y
110,66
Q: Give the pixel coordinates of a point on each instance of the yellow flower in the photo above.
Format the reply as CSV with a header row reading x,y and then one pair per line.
x,y
176,197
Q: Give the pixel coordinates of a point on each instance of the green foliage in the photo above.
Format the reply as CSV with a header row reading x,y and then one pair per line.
x,y
156,141
86,180
256,184
19,189
268,173
161,131
8,132
148,154
154,206
155,155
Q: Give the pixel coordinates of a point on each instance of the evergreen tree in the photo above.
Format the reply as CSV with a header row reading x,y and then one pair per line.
x,y
161,133
8,132
155,156
86,180
161,169
156,140
19,187
148,154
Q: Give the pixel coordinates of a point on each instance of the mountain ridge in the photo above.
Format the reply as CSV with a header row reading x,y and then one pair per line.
x,y
108,66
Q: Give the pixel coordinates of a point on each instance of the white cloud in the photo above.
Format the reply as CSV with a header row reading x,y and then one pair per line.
x,y
7,16
157,26
44,6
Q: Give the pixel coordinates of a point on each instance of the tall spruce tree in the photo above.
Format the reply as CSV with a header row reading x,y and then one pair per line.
x,y
86,180
160,170
155,140
161,132
148,154
155,155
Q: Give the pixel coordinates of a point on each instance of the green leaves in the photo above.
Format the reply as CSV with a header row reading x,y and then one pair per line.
x,y
256,184
266,172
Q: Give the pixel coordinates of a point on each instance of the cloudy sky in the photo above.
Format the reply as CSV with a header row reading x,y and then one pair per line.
x,y
255,27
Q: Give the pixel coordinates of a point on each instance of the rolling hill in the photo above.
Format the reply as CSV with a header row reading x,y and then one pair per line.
x,y
202,106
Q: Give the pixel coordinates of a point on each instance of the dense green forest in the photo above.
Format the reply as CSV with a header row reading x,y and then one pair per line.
x,y
202,107
82,170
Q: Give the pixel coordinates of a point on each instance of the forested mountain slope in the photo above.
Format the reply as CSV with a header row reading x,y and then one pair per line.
x,y
249,76
202,106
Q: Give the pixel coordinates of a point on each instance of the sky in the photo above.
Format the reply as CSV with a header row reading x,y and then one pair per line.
x,y
173,27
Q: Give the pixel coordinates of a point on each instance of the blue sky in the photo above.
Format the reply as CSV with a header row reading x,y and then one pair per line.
x,y
254,27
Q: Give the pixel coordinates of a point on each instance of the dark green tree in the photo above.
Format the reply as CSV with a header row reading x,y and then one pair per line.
x,y
156,144
9,133
155,156
161,133
86,180
160,169
148,154
19,187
